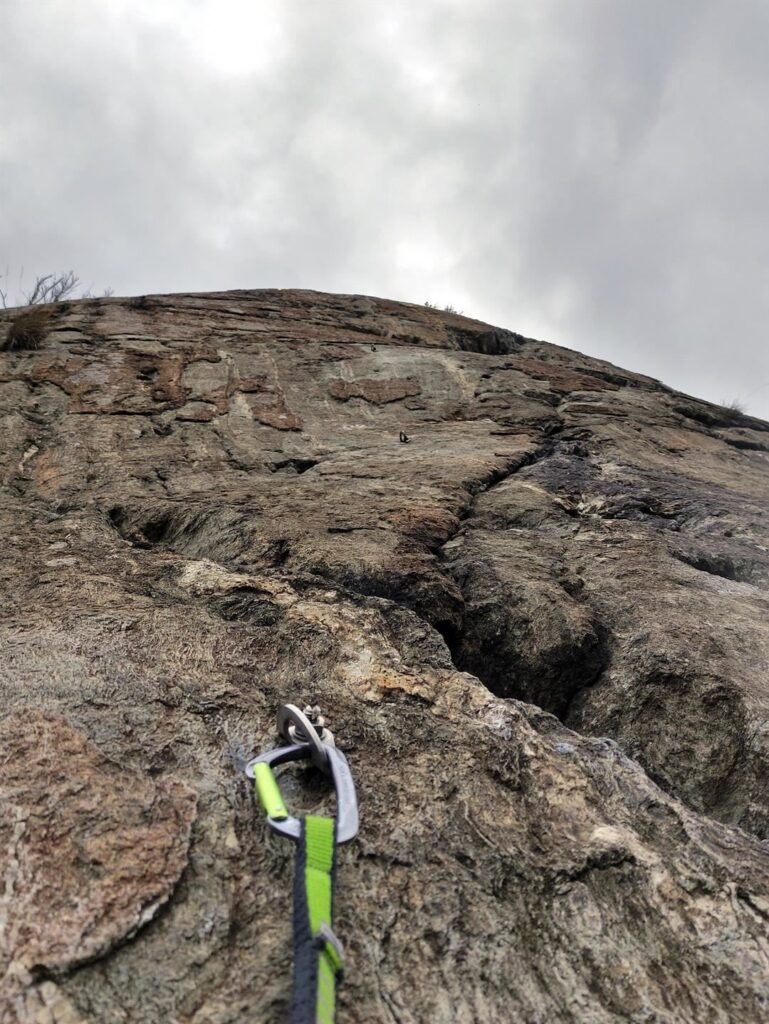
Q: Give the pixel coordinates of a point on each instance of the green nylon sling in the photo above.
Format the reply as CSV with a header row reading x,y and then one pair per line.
x,y
317,960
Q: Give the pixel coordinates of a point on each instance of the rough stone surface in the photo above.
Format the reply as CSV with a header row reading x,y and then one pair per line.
x,y
88,850
539,628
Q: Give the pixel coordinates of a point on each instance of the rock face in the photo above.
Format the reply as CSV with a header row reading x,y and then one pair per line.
x,y
528,589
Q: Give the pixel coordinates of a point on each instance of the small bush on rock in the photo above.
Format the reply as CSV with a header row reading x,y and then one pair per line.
x,y
28,330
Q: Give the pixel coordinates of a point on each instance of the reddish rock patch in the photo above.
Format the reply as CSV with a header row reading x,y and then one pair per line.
x,y
380,391
89,849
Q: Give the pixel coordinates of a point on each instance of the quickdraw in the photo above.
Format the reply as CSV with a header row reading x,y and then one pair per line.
x,y
318,954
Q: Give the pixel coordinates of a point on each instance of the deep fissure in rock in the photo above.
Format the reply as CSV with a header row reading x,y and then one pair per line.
x,y
496,632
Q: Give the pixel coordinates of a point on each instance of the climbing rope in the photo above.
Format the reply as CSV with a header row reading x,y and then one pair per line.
x,y
318,953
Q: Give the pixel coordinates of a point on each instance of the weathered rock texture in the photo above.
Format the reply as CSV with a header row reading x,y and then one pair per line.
x,y
207,511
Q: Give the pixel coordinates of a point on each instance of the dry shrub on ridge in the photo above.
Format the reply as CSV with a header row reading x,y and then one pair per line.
x,y
28,330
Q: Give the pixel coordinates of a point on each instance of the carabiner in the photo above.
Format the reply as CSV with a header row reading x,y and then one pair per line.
x,y
260,770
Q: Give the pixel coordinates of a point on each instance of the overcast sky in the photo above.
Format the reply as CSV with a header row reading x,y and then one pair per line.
x,y
592,172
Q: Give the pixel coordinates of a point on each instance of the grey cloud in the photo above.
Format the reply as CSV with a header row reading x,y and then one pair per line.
x,y
592,173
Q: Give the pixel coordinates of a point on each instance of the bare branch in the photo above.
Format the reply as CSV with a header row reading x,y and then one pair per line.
x,y
52,288
64,285
37,294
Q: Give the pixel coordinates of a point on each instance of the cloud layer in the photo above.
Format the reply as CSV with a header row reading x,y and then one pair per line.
x,y
590,173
